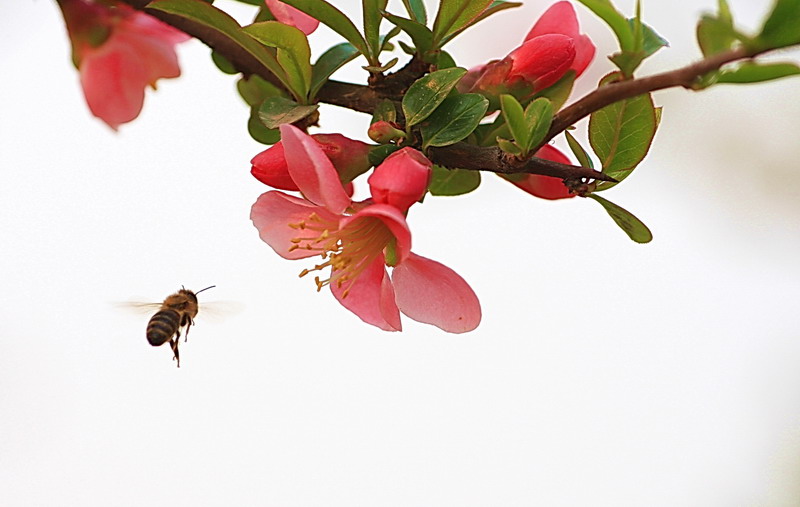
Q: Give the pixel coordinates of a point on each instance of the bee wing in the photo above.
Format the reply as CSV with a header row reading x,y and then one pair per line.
x,y
138,306
218,310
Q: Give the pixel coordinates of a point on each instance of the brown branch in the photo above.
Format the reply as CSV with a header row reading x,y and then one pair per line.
x,y
365,99
493,159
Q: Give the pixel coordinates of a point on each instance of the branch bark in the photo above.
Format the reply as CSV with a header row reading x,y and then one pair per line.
x,y
461,155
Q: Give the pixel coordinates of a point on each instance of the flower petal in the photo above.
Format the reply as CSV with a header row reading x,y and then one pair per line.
x,y
393,219
430,292
371,297
542,60
560,18
272,213
312,171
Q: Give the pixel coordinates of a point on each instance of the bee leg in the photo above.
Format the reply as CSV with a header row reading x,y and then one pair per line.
x,y
187,321
174,345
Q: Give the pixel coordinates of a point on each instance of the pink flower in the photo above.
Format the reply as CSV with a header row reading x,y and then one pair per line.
x,y
349,157
289,15
401,179
546,187
356,241
119,52
552,47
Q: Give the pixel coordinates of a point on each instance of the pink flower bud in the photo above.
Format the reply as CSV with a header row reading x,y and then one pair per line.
x,y
560,18
269,167
541,61
384,132
546,187
348,156
402,179
289,15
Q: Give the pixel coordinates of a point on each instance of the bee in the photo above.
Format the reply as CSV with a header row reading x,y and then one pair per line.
x,y
177,311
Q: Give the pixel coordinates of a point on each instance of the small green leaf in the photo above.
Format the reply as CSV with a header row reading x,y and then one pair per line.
x,y
416,10
335,19
276,111
515,119
419,33
259,131
538,117
223,64
621,133
454,15
494,8
579,151
371,12
782,27
608,13
428,92
633,227
453,181
294,54
751,72
454,119
559,92
650,41
210,18
508,146
381,68
329,62
378,153
385,111
445,61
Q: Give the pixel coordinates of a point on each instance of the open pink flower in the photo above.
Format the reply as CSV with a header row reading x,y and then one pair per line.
x,y
356,241
552,47
119,52
546,187
289,15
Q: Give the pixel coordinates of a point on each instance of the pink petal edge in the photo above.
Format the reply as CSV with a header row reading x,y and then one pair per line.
x,y
371,297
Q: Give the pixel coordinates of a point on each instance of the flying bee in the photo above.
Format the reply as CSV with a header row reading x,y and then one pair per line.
x,y
177,311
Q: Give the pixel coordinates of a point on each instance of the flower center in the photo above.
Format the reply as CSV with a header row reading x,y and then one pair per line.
x,y
347,251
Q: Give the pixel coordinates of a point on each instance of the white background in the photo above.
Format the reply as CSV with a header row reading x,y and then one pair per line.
x,y
604,372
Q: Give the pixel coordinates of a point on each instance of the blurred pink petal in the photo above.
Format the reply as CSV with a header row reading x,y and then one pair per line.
x,y
430,292
289,15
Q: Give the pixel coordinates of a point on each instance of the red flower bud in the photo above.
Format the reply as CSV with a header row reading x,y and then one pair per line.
x,y
546,187
541,61
269,167
560,18
402,179
384,132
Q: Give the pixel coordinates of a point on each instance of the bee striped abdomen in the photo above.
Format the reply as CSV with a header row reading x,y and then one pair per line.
x,y
163,326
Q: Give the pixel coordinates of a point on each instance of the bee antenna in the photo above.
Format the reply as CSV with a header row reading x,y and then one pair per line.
x,y
209,287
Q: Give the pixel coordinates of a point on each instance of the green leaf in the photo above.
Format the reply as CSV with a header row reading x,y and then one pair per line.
x,y
538,117
453,181
382,68
445,60
608,13
715,35
454,15
751,72
428,92
782,27
419,33
650,41
621,133
509,147
385,111
255,89
579,151
515,119
210,18
335,19
276,111
454,119
371,12
559,92
494,8
294,54
329,62
416,9
223,64
259,131
633,227
378,153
